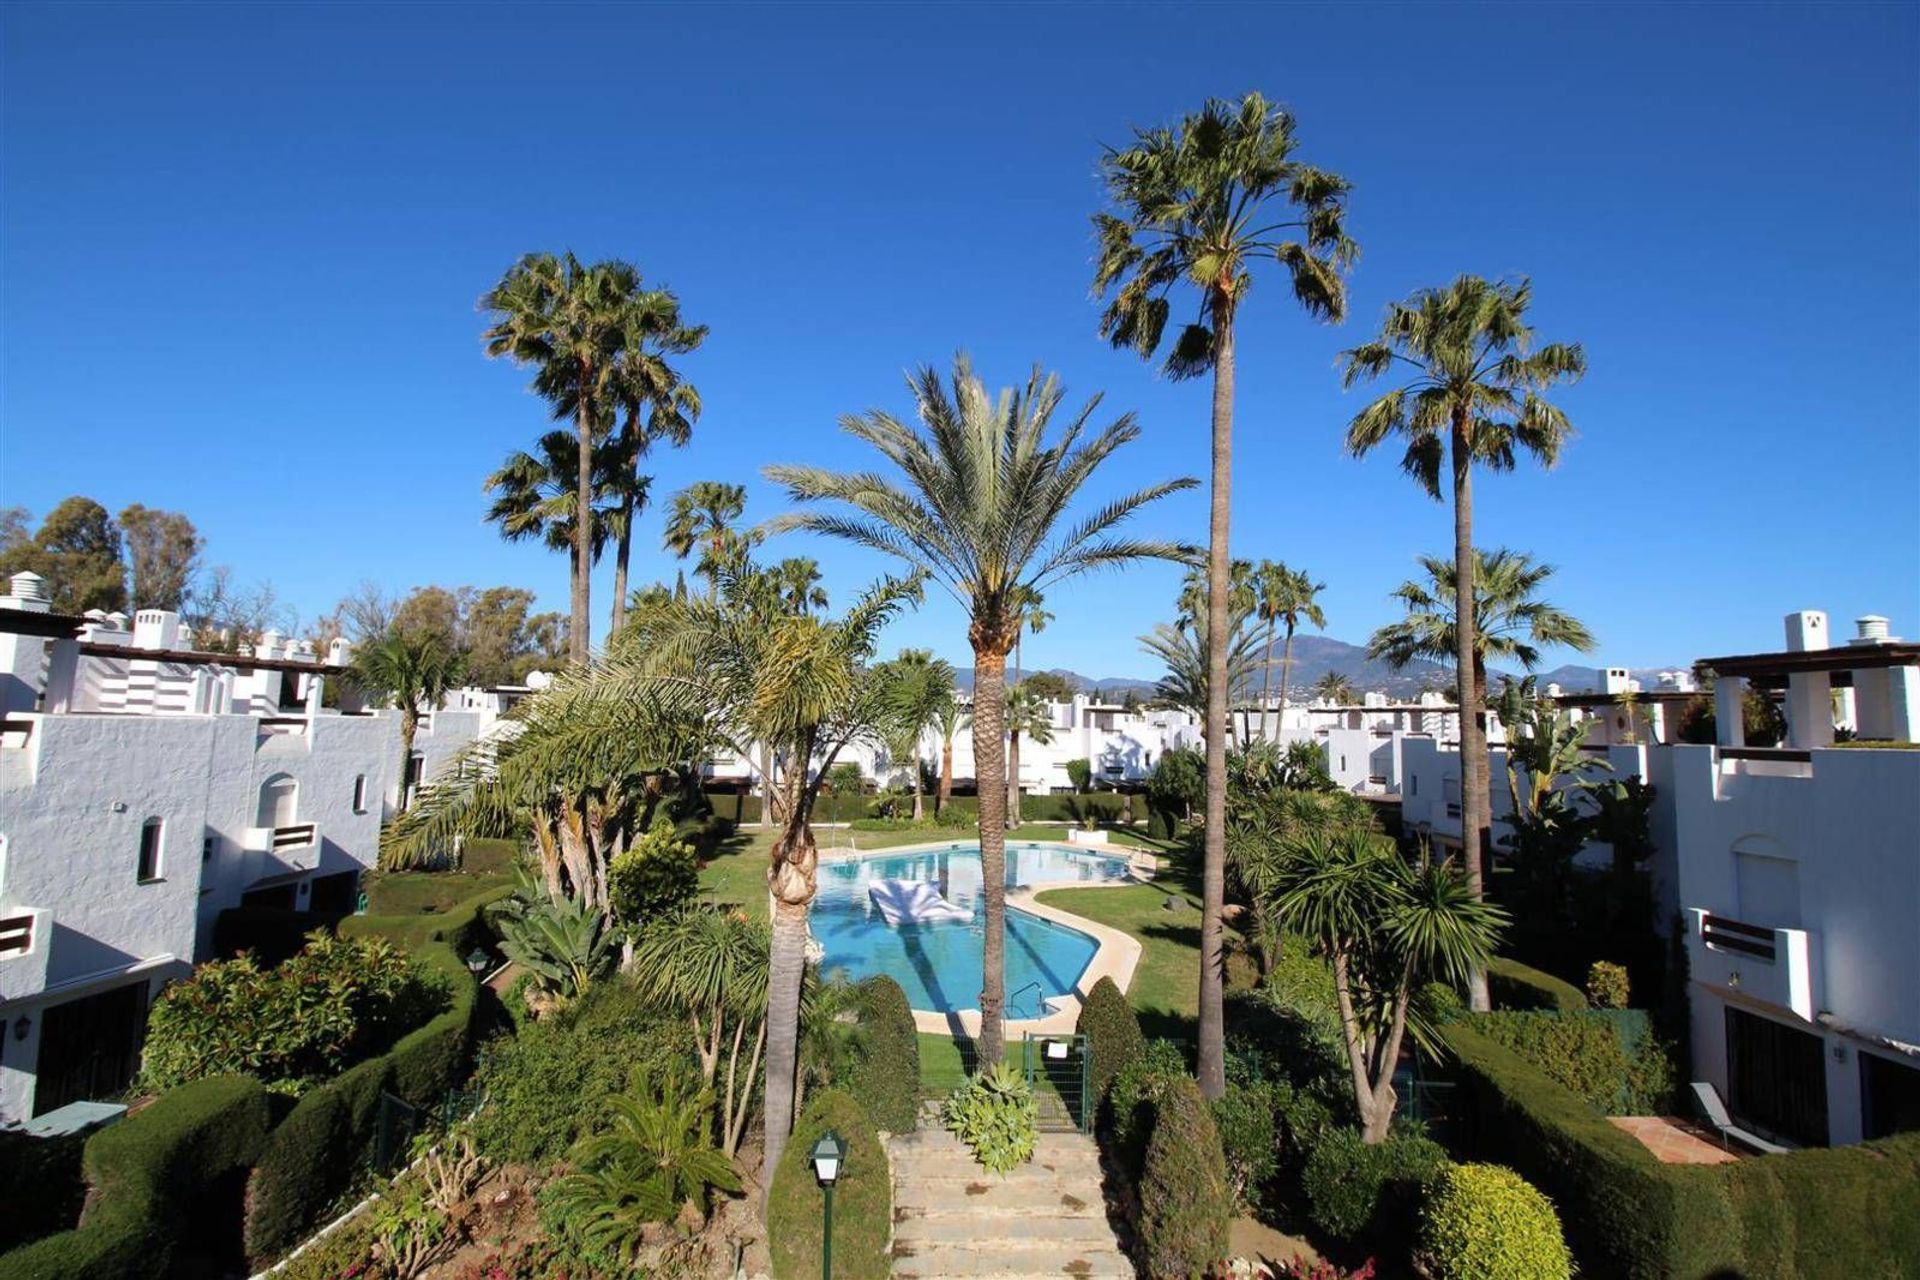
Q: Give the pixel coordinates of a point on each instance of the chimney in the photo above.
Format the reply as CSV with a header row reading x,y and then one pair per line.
x,y
1871,629
28,592
1806,631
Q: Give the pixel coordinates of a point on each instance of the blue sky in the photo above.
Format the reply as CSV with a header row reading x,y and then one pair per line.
x,y
242,247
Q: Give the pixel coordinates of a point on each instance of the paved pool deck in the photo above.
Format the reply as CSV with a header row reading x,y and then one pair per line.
x,y
1117,957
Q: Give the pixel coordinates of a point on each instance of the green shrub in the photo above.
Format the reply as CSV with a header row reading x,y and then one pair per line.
x,y
1185,1204
337,1002
1517,986
1079,774
463,926
862,1198
1439,1003
1607,986
994,1113
1132,1096
40,1184
1588,1053
1485,1222
1248,1118
1113,1034
657,875
1361,1192
886,1079
547,1087
148,1176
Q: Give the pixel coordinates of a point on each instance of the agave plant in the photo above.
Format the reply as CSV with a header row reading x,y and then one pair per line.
x,y
564,943
657,1157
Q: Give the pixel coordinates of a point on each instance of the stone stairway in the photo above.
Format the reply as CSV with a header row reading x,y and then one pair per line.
x,y
951,1218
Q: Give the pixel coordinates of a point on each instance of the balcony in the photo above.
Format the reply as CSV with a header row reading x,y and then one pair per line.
x,y
25,933
1756,960
295,846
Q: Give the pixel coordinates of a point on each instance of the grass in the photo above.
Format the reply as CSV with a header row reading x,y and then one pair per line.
x,y
1166,983
487,864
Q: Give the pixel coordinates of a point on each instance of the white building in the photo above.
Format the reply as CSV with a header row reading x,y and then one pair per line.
x,y
145,788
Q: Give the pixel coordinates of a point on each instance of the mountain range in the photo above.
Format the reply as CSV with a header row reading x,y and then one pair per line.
x,y
1315,656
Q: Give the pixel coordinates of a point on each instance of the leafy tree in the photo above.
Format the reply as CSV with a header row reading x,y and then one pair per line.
x,y
412,671
1027,714
163,554
1284,596
1200,205
569,321
77,551
1048,686
658,875
701,519
1178,782
980,511
497,636
1334,688
1080,774
433,611
917,692
1475,395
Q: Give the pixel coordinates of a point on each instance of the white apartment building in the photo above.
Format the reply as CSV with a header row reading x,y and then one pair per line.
x,y
145,788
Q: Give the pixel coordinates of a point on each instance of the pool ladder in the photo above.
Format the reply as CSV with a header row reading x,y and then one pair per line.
x,y
1039,1006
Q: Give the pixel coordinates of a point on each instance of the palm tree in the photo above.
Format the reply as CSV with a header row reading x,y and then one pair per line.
x,y
1034,618
1509,623
981,511
955,716
701,519
411,670
655,404
1183,650
568,320
1201,204
797,579
1335,688
1030,714
918,695
533,495
1475,395
1285,595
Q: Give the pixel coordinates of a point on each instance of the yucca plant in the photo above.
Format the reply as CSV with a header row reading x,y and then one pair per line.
x,y
994,1113
564,943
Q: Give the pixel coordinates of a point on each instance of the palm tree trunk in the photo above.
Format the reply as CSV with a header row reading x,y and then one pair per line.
x,y
1212,1063
1473,733
1286,676
791,882
1266,685
409,725
766,787
579,638
946,775
1013,778
622,548
919,804
989,765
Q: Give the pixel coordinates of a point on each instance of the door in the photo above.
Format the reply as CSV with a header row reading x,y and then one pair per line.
x,y
90,1047
1777,1078
1889,1095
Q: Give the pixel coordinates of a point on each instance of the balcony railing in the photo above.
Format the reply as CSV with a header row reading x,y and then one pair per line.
x,y
1756,960
16,935
1737,935
297,836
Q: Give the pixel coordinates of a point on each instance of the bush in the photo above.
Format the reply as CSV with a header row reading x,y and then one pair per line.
x,y
40,1183
886,1080
1607,986
315,1154
994,1114
1607,1057
537,1081
337,1002
1133,1095
1248,1118
862,1198
463,926
655,876
1485,1222
1185,1205
1079,775
1113,1034
1517,986
149,1179
1361,1192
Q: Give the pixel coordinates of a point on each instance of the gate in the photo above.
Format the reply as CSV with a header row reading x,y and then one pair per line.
x,y
1059,1070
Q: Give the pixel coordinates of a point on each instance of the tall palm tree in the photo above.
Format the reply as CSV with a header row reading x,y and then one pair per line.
x,y
982,510
1033,618
655,404
533,495
1474,395
568,320
918,695
1285,595
701,518
955,716
1031,715
1183,650
1335,688
1200,204
797,579
413,671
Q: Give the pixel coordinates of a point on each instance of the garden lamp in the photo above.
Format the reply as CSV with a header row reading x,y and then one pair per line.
x,y
477,962
826,1155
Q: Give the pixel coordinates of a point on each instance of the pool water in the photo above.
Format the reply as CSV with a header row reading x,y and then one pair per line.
x,y
938,964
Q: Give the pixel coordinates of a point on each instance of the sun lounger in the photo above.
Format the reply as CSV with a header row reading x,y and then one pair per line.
x,y
1718,1116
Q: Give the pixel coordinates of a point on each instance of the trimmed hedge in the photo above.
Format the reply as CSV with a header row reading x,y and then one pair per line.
x,y
1842,1212
1610,1057
314,1155
463,925
1360,1192
1113,1033
862,1198
148,1175
1517,986
1185,1204
1485,1222
887,1080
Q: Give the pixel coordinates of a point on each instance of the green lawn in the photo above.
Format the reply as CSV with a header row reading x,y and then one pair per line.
x,y
1166,983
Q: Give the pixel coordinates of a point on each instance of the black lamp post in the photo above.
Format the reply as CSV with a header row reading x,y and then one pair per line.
x,y
476,962
827,1155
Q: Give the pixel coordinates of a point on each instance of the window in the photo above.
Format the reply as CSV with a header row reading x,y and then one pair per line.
x,y
360,794
150,843
208,844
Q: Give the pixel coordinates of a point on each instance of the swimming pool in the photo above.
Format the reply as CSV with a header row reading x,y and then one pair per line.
x,y
938,963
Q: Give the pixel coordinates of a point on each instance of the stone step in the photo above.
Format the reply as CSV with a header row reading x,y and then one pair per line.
x,y
978,1230
1072,1199
964,1166
1004,1261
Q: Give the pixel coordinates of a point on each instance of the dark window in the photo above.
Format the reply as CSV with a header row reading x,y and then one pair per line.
x,y
150,843
360,794
1777,1078
207,846
1890,1096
